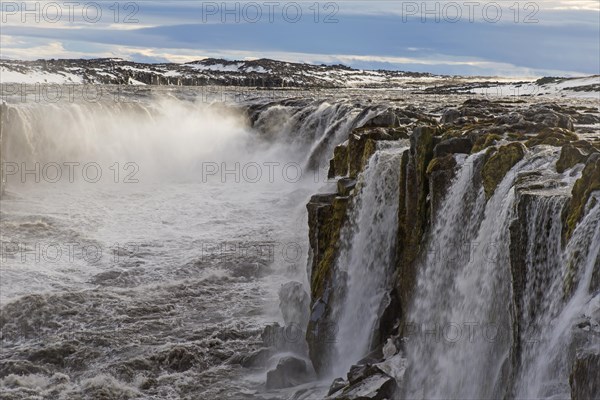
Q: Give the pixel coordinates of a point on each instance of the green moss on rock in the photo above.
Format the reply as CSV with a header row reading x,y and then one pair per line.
x,y
498,164
582,190
552,137
485,141
441,163
325,222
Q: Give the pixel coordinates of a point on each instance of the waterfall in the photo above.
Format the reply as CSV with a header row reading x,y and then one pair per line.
x,y
366,255
106,132
551,336
460,334
302,132
318,125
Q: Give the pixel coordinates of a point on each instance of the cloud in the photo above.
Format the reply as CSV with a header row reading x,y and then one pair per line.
x,y
562,42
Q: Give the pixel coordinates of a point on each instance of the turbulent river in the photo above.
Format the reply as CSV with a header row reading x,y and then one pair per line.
x,y
144,240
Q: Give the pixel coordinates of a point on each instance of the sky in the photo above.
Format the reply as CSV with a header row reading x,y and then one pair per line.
x,y
504,38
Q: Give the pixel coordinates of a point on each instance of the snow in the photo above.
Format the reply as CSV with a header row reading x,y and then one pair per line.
x,y
136,82
259,70
560,88
217,67
36,76
294,75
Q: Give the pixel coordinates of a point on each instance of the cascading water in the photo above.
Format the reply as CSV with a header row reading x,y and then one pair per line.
x,y
552,272
367,253
317,124
460,343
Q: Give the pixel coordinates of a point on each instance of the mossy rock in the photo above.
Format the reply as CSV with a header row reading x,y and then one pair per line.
x,y
440,172
451,131
485,141
553,137
498,164
328,236
574,153
339,161
362,144
516,136
443,163
345,186
582,190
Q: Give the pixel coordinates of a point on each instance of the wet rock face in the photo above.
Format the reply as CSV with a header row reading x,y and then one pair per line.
x,y
326,214
498,164
441,171
584,377
413,211
338,165
582,190
345,186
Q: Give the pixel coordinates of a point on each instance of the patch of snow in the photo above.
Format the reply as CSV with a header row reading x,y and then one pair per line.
x,y
36,76
216,67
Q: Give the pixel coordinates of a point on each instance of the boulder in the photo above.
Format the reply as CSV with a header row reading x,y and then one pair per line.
x,y
359,372
288,338
454,145
337,384
450,115
290,371
388,118
294,304
375,387
574,153
257,358
484,141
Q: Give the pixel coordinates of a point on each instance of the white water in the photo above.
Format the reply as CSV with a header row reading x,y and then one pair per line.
x,y
547,359
462,333
198,263
366,255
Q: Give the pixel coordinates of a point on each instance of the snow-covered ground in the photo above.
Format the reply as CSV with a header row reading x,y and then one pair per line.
x,y
272,73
